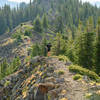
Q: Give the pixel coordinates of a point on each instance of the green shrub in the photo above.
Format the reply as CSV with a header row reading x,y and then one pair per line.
x,y
84,71
14,35
88,95
63,58
22,24
28,33
77,77
17,37
7,69
7,83
15,64
28,27
61,72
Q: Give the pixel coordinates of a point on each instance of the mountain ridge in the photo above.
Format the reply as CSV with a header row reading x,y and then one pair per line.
x,y
42,81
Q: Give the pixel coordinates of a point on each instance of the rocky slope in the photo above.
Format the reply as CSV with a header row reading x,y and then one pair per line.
x,y
43,78
9,48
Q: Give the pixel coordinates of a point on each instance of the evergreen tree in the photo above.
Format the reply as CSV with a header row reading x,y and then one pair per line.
x,y
70,45
3,26
7,69
98,49
44,47
36,50
79,41
81,50
45,21
59,24
4,66
15,64
87,46
59,45
89,43
38,25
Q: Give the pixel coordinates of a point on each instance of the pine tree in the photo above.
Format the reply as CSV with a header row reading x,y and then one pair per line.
x,y
70,45
44,47
45,21
36,50
81,50
89,43
15,64
98,49
79,41
59,24
4,66
59,45
87,46
3,23
38,25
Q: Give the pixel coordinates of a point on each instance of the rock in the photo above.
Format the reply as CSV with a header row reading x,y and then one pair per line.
x,y
50,79
53,94
2,82
1,85
39,95
34,60
31,94
50,69
59,80
45,87
68,63
19,98
95,87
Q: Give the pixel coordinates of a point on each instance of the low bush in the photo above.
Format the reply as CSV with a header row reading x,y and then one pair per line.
x,y
63,58
61,72
28,33
83,71
77,77
6,83
9,68
18,37
28,27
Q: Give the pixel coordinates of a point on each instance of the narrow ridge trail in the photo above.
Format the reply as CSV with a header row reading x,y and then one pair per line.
x,y
45,78
75,90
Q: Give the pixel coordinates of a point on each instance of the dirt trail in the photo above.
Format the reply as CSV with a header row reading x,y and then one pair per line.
x,y
75,89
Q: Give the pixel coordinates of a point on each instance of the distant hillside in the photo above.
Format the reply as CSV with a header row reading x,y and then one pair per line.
x,y
70,11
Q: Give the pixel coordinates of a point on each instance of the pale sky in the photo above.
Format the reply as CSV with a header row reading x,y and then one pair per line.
x,y
27,1
91,1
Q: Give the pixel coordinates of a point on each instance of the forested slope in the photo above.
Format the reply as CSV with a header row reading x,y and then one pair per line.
x,y
70,10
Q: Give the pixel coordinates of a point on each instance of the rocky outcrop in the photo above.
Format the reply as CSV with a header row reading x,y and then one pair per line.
x,y
40,79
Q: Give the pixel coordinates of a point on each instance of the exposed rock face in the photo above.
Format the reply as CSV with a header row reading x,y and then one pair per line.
x,y
40,80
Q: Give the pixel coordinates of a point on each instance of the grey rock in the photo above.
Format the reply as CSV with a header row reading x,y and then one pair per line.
x,y
68,63
59,80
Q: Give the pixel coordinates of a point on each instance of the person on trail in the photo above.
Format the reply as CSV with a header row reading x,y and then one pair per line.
x,y
49,48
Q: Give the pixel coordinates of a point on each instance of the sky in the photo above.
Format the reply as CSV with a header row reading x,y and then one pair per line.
x,y
27,1
91,1
16,2
12,3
